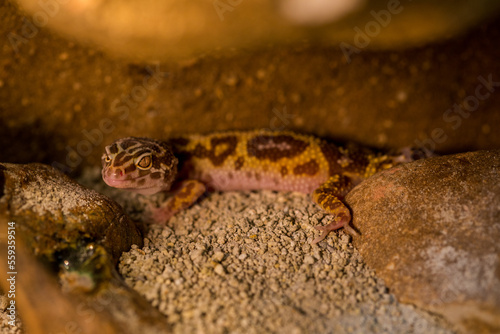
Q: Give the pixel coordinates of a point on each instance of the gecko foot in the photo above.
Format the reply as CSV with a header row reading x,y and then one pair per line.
x,y
160,215
338,223
187,192
157,215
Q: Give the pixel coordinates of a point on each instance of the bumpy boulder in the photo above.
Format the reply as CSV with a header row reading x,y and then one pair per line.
x,y
79,234
55,214
431,230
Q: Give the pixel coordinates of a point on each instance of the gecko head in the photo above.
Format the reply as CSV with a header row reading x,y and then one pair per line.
x,y
141,165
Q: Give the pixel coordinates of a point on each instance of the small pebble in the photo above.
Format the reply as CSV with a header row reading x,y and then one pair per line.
x,y
219,270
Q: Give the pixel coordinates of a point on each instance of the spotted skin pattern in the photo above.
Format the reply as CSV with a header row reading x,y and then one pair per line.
x,y
243,160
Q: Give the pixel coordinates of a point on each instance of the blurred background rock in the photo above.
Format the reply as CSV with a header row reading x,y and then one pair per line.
x,y
74,75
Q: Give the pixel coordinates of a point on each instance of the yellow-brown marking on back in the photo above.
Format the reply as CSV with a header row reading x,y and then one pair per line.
x,y
309,168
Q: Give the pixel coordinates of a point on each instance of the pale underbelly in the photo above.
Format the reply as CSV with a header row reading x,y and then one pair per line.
x,y
258,180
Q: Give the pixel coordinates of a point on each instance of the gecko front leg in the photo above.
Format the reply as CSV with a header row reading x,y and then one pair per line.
x,y
185,194
329,197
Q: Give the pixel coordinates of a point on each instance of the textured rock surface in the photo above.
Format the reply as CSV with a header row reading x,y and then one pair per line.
x,y
63,102
79,234
55,213
431,230
173,29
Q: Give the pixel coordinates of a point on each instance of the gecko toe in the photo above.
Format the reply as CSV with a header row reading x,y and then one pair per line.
x,y
333,226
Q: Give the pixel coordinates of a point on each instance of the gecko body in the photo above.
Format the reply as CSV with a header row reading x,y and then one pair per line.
x,y
243,160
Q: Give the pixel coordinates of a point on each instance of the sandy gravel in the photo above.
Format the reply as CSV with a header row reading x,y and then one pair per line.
x,y
241,262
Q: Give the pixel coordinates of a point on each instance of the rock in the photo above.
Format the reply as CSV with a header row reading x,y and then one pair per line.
x,y
431,230
42,305
182,29
80,234
55,214
271,89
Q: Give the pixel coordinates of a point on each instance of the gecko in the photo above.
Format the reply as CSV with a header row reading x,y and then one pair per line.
x,y
190,165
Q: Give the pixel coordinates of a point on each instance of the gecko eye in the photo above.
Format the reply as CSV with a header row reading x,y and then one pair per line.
x,y
145,162
106,158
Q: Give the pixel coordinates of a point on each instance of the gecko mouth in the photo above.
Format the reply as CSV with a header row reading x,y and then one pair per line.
x,y
130,185
118,183
134,185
